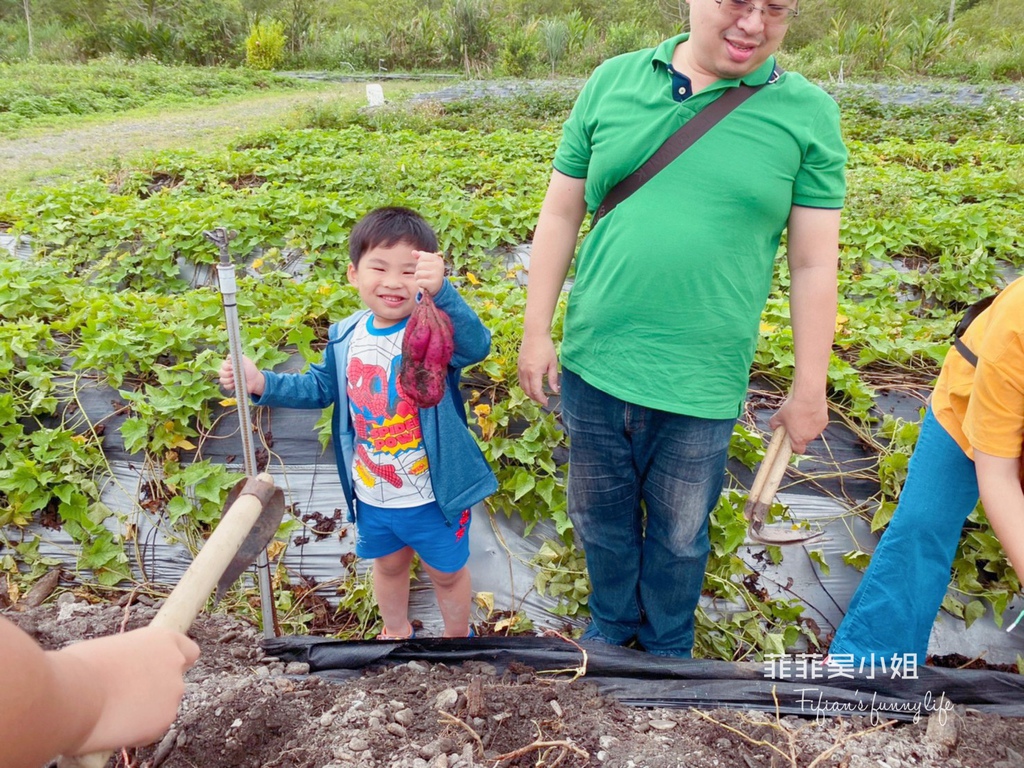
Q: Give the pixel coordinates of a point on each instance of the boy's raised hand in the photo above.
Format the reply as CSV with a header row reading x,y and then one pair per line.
x,y
429,271
255,381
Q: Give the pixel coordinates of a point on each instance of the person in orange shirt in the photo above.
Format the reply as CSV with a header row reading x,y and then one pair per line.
x,y
969,446
92,696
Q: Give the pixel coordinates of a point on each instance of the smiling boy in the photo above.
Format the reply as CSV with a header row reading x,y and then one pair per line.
x,y
402,497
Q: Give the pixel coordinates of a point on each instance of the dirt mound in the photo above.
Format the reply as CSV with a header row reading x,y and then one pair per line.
x,y
243,709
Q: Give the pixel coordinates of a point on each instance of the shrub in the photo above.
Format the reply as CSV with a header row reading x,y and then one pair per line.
x,y
555,33
416,42
322,114
984,23
135,40
210,31
52,41
264,48
887,44
469,33
348,49
627,36
518,54
926,41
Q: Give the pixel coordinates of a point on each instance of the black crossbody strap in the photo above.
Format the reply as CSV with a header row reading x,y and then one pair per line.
x,y
965,352
679,142
969,315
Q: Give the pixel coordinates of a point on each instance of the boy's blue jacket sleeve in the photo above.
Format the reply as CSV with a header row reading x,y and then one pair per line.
x,y
472,339
316,388
323,384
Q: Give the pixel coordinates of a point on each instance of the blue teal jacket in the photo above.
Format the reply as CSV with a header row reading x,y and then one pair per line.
x,y
459,473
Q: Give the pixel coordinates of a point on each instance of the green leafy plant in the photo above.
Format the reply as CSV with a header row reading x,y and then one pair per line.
x,y
562,574
556,35
114,296
519,51
264,47
357,608
38,93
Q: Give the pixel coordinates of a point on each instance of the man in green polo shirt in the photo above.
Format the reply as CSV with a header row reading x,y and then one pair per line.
x,y
663,317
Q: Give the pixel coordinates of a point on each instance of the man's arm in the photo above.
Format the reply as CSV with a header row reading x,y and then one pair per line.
x,y
1003,497
554,244
813,263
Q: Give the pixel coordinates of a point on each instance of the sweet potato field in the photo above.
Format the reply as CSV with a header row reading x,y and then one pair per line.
x,y
108,287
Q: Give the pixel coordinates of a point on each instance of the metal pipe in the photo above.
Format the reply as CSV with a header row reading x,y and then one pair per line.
x,y
228,291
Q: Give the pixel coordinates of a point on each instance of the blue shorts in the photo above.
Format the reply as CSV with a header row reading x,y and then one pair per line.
x,y
382,531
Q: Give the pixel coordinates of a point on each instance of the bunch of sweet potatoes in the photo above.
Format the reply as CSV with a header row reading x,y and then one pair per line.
x,y
426,351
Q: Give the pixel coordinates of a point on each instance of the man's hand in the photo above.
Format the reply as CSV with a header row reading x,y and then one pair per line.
x,y
255,381
429,271
804,420
537,360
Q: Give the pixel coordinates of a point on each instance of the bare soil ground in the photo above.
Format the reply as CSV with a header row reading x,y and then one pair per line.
x,y
243,709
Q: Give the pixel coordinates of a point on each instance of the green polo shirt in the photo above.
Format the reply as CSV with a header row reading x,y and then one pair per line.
x,y
670,285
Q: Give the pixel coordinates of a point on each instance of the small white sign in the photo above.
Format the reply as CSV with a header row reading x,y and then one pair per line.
x,y
375,95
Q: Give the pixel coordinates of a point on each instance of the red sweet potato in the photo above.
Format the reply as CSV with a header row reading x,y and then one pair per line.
x,y
426,351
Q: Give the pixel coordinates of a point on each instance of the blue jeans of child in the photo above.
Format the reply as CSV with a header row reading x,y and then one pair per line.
x,y
642,483
894,607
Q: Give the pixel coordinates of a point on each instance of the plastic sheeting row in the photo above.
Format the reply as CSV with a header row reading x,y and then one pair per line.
x,y
639,679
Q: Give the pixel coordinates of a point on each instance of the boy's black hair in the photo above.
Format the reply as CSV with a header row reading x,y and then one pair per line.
x,y
388,226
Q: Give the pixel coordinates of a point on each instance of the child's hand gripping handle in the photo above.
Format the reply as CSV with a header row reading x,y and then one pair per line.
x,y
217,558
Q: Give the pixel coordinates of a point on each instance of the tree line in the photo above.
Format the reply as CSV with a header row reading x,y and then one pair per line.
x,y
499,37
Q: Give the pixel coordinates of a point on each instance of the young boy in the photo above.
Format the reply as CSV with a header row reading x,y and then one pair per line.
x,y
409,475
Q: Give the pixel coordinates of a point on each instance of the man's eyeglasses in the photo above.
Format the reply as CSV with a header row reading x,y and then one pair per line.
x,y
772,13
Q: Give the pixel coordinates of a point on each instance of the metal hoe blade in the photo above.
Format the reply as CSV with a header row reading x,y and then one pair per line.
x,y
260,535
762,494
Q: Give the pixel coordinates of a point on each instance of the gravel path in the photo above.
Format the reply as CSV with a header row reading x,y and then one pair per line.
x,y
47,156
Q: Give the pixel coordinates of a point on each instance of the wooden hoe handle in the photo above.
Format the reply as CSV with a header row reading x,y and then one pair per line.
x,y
769,476
194,589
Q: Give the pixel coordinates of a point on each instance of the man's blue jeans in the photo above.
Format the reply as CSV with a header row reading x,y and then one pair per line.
x,y
894,607
626,460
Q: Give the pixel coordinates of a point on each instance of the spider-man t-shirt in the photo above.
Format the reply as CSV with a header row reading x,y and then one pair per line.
x,y
390,465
